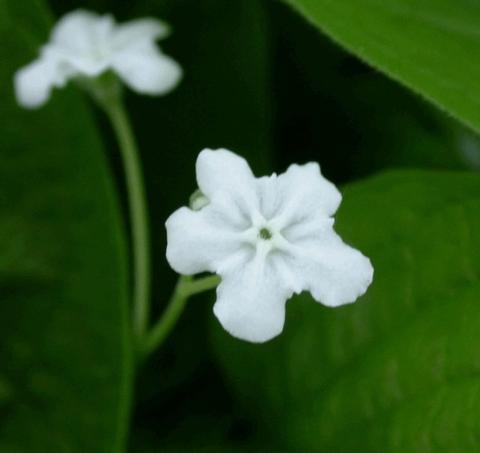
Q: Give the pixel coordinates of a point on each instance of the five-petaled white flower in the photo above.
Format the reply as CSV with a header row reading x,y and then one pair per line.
x,y
85,44
267,238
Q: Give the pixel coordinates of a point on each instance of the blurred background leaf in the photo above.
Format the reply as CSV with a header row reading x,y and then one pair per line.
x,y
398,371
65,372
432,46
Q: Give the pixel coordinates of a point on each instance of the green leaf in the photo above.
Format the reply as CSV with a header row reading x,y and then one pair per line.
x,y
398,371
368,122
65,371
431,46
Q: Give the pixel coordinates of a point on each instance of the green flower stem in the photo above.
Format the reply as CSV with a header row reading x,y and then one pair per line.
x,y
185,288
106,91
138,214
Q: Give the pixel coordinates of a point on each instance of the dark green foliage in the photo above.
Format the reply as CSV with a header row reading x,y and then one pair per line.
x,y
65,373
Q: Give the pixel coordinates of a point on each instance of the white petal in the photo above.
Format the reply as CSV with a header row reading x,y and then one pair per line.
x,y
33,83
138,30
221,171
82,41
251,300
145,69
82,32
199,241
267,189
303,192
331,270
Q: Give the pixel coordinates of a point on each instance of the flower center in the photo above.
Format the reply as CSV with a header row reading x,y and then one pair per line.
x,y
265,234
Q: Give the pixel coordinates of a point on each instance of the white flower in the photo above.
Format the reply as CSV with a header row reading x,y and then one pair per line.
x,y
267,238
86,44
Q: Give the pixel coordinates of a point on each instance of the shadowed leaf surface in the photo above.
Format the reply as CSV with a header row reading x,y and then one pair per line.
x,y
64,348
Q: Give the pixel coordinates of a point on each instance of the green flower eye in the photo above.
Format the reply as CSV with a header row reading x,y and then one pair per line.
x,y
265,234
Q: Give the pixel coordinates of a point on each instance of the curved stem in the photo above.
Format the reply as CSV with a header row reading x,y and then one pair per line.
x,y
138,214
184,288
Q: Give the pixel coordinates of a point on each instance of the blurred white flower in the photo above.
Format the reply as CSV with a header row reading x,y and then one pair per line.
x,y
267,238
85,44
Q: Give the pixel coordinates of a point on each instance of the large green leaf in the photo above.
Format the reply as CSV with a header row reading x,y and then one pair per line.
x,y
399,370
368,122
432,46
64,349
